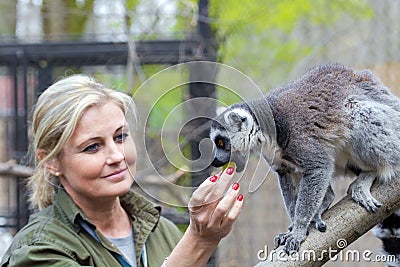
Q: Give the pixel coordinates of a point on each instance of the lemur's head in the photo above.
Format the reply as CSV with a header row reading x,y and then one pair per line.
x,y
235,132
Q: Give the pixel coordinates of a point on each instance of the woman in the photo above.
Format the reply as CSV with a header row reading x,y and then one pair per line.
x,y
88,215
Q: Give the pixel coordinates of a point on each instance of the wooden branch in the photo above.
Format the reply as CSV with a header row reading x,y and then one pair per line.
x,y
13,169
346,222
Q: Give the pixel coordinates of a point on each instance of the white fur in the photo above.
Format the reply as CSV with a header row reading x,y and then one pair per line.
x,y
243,139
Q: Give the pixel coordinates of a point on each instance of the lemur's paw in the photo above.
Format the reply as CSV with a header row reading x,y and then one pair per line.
x,y
365,199
280,239
320,225
293,242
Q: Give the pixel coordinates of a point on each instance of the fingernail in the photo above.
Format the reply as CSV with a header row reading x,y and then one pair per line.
x,y
240,197
213,178
235,186
229,170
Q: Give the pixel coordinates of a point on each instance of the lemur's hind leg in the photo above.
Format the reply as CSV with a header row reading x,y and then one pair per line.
x,y
328,199
360,191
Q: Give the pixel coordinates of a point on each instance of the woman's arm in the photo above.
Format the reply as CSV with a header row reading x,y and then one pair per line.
x,y
212,210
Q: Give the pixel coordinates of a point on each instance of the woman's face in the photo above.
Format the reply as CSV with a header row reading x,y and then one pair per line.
x,y
99,160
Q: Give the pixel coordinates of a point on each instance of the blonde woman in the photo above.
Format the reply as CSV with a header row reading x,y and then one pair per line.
x,y
87,213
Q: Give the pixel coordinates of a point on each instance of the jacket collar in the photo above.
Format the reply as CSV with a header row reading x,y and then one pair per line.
x,y
142,212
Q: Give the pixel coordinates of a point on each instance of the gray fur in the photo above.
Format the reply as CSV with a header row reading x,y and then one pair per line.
x,y
332,120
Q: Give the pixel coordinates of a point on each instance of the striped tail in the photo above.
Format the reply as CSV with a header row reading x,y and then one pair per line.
x,y
389,233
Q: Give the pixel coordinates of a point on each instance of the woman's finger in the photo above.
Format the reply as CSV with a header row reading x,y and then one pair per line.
x,y
234,212
225,205
198,198
220,188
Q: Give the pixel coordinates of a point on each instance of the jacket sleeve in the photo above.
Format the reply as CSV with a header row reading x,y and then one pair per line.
x,y
38,255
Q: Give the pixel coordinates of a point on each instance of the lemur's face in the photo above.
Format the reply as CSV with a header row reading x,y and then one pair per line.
x,y
232,133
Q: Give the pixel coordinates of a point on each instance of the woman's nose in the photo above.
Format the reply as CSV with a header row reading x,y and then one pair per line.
x,y
115,154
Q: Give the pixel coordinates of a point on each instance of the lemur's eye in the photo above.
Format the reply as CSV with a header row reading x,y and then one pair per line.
x,y
220,143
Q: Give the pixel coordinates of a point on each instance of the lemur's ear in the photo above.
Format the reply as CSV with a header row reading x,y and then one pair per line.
x,y
236,118
220,110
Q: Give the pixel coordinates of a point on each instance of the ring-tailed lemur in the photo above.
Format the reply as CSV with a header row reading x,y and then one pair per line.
x,y
333,119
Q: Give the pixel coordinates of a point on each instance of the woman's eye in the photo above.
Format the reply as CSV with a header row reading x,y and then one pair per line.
x,y
92,148
121,137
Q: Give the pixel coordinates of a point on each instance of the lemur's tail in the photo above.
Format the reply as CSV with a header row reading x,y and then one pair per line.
x,y
389,232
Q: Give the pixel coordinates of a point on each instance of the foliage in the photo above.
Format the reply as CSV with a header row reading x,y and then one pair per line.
x,y
7,17
56,21
259,37
130,5
267,27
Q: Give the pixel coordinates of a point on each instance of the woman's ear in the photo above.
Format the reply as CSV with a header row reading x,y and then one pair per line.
x,y
41,153
52,165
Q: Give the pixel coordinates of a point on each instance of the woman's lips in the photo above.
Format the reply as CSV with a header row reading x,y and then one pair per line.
x,y
116,175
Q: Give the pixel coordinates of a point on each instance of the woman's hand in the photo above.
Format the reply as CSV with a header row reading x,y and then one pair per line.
x,y
213,209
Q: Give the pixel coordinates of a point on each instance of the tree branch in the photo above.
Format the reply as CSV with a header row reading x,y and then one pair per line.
x,y
346,222
13,169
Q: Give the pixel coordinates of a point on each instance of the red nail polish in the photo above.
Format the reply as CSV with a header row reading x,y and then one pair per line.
x,y
230,170
213,178
240,197
235,186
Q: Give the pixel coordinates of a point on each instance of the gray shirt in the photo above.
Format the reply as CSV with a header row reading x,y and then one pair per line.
x,y
126,246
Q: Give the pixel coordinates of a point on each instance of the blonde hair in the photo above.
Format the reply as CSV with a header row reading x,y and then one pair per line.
x,y
55,117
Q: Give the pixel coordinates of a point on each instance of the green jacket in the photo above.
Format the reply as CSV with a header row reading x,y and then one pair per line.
x,y
55,236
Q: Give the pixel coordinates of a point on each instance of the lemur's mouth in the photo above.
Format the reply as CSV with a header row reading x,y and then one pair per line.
x,y
218,163
240,160
240,164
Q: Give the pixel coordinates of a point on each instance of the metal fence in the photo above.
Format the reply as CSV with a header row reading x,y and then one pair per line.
x,y
27,69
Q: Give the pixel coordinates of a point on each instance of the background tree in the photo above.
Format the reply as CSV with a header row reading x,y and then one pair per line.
x,y
8,15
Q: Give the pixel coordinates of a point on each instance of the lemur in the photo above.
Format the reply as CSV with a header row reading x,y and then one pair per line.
x,y
330,121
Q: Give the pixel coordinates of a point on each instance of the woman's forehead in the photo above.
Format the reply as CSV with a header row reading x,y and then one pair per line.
x,y
100,119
